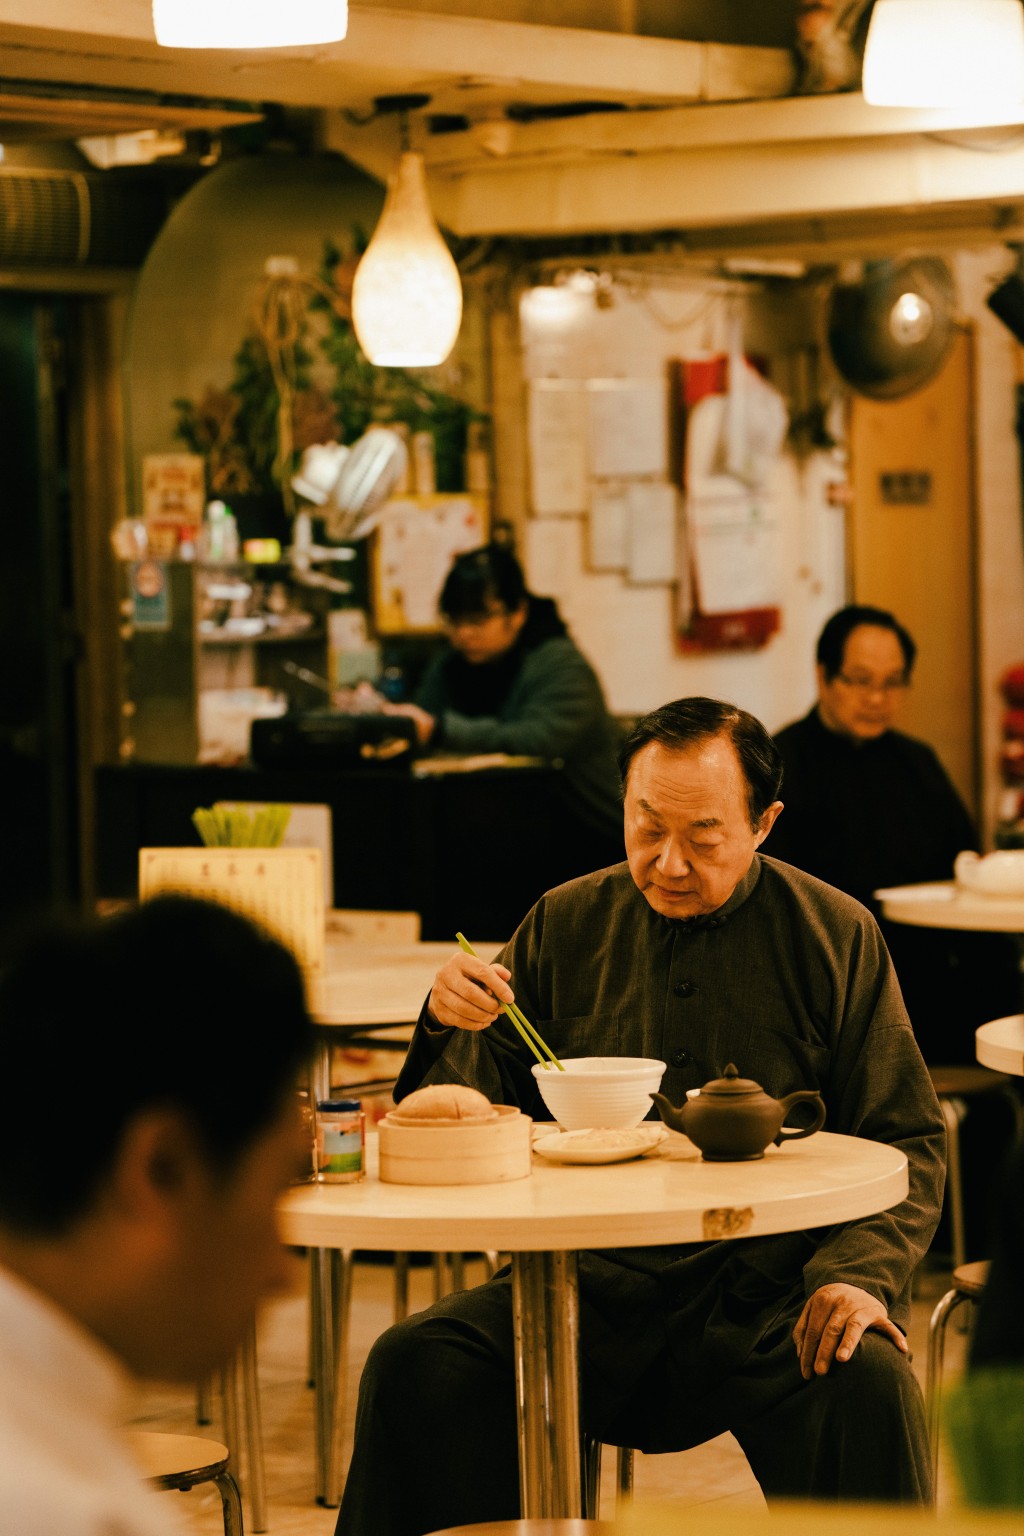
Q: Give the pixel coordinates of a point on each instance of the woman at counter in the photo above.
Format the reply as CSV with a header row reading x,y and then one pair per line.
x,y
512,680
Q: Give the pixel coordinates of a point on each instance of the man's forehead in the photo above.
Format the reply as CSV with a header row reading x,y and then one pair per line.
x,y
701,823
685,769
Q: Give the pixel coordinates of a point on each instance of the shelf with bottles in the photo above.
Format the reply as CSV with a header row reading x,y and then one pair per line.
x,y
255,605
205,644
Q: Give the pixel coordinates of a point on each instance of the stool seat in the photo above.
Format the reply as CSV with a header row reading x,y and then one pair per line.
x,y
181,1462
969,1279
967,1080
178,1461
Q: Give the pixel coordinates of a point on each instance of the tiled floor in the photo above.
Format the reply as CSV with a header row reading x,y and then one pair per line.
x,y
715,1473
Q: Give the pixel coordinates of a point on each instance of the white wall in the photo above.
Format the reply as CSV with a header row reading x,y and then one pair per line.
x,y
1000,536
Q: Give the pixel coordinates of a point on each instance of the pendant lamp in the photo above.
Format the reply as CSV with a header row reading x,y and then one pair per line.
x,y
406,294
249,23
945,53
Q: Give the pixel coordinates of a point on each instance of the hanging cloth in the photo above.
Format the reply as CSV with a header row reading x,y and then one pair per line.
x,y
734,427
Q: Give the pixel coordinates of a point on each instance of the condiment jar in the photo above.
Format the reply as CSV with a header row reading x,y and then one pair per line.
x,y
341,1141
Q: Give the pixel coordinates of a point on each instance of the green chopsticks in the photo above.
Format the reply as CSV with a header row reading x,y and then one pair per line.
x,y
519,1019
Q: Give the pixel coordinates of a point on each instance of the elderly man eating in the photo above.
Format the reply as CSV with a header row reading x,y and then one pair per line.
x,y
699,951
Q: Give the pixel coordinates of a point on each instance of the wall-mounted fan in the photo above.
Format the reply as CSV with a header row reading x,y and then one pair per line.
x,y
890,331
349,486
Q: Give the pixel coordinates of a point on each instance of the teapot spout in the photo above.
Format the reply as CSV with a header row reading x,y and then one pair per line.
x,y
673,1117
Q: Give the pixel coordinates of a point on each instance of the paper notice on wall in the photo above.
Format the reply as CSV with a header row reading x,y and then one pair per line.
x,y
628,421
557,430
173,487
652,529
608,525
732,532
418,537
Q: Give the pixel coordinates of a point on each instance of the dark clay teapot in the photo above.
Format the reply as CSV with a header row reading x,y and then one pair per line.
x,y
732,1119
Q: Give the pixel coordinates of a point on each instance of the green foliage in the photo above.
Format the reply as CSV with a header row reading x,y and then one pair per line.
x,y
237,429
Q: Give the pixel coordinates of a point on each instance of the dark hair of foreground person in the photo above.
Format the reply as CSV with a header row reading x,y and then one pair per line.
x,y
180,1004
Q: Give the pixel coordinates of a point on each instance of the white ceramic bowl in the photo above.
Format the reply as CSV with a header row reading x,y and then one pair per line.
x,y
607,1092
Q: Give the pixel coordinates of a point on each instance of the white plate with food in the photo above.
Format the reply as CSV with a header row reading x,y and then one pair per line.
x,y
599,1146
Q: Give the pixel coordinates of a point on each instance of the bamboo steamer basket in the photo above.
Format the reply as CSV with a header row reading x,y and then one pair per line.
x,y
456,1152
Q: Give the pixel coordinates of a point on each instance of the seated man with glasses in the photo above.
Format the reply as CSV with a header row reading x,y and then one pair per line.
x,y
868,806
511,679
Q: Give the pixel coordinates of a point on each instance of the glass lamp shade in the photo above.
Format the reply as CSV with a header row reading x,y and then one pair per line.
x,y
248,23
406,295
945,53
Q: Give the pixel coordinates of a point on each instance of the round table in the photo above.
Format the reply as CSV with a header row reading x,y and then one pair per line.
x,y
944,904
999,1044
670,1196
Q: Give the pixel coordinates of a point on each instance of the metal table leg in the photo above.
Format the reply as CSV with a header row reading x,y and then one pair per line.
x,y
545,1306
331,1298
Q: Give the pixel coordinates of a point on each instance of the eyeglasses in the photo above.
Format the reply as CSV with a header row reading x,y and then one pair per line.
x,y
888,685
473,620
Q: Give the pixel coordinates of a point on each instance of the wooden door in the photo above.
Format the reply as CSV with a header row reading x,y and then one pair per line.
x,y
912,533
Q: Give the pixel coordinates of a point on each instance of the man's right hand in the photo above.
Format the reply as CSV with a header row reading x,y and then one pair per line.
x,y
467,993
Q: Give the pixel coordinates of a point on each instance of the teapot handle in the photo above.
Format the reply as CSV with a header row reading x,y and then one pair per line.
x,y
805,1096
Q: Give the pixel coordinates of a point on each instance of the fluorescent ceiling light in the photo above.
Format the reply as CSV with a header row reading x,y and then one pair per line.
x,y
945,53
248,23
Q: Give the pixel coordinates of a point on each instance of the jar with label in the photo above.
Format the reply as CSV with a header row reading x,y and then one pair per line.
x,y
341,1141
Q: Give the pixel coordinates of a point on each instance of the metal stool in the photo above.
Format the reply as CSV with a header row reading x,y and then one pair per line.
x,y
535,1527
184,1461
242,1371
592,1475
968,1284
955,1087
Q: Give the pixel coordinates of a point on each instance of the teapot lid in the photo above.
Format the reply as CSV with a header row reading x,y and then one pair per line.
x,y
731,1083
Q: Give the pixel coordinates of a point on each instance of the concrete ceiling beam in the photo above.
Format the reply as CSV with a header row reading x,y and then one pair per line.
x,y
455,59
707,187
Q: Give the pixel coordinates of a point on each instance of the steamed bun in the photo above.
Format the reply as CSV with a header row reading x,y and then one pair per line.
x,y
446,1101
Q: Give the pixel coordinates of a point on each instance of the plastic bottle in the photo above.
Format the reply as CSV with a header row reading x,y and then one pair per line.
x,y
229,542
211,536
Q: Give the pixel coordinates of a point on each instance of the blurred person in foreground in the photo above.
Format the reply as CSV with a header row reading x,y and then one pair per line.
x,y
698,951
511,679
148,1125
868,806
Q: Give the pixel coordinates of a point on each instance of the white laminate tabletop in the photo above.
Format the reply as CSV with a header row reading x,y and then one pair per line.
x,y
376,984
1000,1044
944,904
671,1196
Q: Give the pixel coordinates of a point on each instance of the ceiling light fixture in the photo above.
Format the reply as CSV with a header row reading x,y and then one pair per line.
x,y
248,23
406,294
945,53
